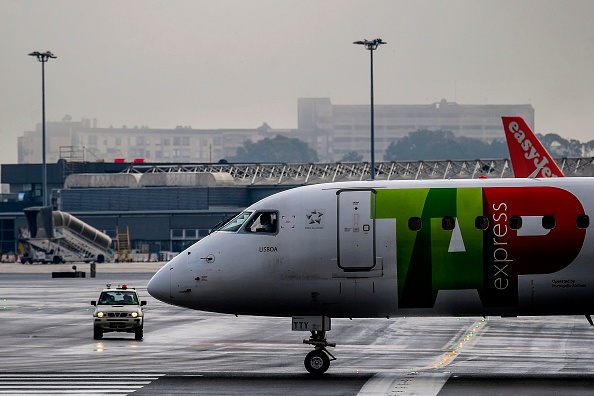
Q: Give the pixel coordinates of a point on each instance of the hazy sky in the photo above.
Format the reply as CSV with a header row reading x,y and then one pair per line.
x,y
233,64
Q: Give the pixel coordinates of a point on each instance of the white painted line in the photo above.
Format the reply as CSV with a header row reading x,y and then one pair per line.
x,y
74,384
404,384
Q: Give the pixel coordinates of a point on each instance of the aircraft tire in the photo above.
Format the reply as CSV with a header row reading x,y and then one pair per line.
x,y
97,333
317,362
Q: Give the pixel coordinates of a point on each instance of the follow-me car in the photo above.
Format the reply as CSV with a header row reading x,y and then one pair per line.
x,y
118,309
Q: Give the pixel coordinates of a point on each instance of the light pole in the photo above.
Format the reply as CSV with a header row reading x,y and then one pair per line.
x,y
371,46
43,57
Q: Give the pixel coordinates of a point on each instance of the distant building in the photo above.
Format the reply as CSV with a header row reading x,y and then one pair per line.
x,y
331,130
84,141
335,130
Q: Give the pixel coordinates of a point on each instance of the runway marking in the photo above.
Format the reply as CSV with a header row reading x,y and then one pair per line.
x,y
405,384
75,383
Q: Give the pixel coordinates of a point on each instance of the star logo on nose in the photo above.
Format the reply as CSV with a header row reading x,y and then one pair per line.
x,y
314,217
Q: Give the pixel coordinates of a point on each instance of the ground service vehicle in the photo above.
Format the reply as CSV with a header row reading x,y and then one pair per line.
x,y
118,309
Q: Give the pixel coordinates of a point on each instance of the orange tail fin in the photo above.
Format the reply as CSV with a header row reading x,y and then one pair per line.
x,y
528,156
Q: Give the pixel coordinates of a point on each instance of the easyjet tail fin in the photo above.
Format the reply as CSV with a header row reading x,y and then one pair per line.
x,y
528,156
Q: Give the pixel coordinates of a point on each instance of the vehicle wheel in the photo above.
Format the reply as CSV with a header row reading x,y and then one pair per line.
x,y
101,259
56,259
97,333
138,334
317,362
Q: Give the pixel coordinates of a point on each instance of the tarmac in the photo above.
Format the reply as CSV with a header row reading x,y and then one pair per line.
x,y
134,267
48,348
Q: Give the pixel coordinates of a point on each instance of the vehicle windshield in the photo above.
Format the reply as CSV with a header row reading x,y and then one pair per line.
x,y
118,297
235,223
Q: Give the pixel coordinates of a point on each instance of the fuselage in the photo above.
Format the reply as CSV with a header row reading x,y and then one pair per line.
x,y
397,248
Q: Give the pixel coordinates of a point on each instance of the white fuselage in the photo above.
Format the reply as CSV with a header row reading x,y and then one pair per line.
x,y
354,250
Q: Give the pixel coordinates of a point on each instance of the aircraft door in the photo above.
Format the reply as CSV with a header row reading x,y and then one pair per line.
x,y
356,230
182,278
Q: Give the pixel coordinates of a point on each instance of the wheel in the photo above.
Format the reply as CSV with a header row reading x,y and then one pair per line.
x,y
97,333
56,259
317,362
100,258
138,334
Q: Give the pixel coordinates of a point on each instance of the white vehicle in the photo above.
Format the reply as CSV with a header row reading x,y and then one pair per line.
x,y
118,309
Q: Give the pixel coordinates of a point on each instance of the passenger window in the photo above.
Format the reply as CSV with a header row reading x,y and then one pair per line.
x,y
264,222
481,223
548,222
515,222
448,223
415,224
582,221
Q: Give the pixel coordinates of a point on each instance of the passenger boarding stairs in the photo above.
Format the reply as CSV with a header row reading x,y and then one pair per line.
x,y
62,237
77,246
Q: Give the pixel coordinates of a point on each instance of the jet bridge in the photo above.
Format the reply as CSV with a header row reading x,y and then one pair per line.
x,y
59,237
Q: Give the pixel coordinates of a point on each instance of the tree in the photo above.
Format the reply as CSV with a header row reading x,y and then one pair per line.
x,y
425,144
560,147
352,156
278,149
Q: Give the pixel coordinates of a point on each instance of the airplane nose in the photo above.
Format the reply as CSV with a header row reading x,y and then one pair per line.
x,y
160,284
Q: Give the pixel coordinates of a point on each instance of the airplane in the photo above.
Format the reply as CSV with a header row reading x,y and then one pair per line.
x,y
372,249
528,156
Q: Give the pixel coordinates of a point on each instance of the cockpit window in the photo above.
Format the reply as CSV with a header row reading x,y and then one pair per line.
x,y
263,222
236,222
222,223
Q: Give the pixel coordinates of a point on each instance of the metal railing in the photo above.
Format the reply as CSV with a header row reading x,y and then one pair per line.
x,y
313,173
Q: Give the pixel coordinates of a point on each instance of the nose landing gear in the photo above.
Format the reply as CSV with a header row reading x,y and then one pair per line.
x,y
318,360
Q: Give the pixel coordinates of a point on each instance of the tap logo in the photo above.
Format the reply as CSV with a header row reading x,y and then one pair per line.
x,y
488,247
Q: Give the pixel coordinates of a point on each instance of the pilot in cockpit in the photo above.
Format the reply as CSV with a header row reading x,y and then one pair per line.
x,y
264,223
